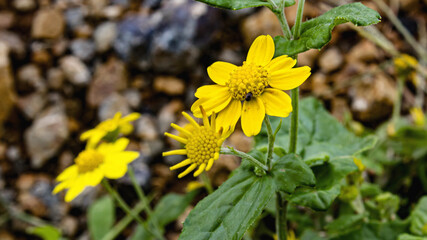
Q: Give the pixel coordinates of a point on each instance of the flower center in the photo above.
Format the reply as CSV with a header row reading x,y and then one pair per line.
x,y
247,81
203,146
89,160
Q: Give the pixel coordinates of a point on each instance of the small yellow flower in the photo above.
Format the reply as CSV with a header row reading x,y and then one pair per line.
x,y
193,185
405,63
108,160
117,125
202,145
359,164
418,116
257,85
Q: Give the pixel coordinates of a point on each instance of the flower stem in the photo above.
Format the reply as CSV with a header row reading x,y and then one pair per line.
x,y
208,185
126,208
284,23
298,19
281,209
232,151
294,121
139,191
271,140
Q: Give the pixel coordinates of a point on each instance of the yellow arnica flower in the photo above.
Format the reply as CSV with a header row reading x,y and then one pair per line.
x,y
202,144
418,116
252,90
405,62
108,160
114,126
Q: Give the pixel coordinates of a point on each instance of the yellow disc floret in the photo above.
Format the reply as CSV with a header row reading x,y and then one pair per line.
x,y
89,160
247,79
203,146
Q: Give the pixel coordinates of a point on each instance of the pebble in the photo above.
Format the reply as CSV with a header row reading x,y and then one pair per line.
x,y
48,23
24,5
46,135
364,51
260,23
55,78
319,86
83,49
7,19
167,114
30,78
331,60
111,105
14,43
75,70
109,78
69,226
6,84
133,97
146,127
32,104
104,36
142,173
170,85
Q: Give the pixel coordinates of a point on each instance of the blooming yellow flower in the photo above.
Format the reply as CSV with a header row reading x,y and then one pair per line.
x,y
202,145
418,116
405,62
93,164
257,85
114,126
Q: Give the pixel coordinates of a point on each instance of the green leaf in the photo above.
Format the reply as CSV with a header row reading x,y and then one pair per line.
x,y
240,4
316,32
290,171
229,211
345,223
376,230
406,236
320,136
328,184
171,206
419,218
46,232
101,217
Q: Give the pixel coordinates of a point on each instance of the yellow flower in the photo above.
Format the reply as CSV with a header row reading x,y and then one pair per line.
x,y
418,116
202,145
257,85
113,126
405,63
193,185
359,164
108,160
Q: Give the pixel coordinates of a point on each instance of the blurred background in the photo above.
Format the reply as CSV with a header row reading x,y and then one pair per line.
x,y
66,65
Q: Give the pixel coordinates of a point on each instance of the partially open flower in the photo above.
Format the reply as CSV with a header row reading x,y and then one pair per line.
x,y
418,116
202,144
405,63
93,164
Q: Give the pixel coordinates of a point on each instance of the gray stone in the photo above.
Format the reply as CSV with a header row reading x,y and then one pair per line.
x,y
111,105
32,104
75,70
24,5
146,127
133,97
46,135
83,49
104,36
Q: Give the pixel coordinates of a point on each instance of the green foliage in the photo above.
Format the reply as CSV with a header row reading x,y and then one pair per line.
x,y
316,32
229,211
320,136
344,224
240,4
46,232
290,171
101,217
169,208
406,236
375,230
419,218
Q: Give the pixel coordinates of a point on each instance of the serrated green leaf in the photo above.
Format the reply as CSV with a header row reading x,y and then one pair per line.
x,y
316,199
406,236
290,171
229,211
316,32
240,4
46,232
376,230
419,218
101,217
321,137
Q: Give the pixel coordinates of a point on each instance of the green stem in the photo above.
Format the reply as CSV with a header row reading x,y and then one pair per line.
x,y
208,185
298,19
281,210
271,140
398,99
232,151
120,226
139,191
294,121
284,24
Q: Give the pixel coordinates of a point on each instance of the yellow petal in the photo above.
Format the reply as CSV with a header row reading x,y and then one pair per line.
x,y
179,139
219,72
208,91
181,164
75,189
281,63
191,120
261,51
277,103
61,186
210,163
181,129
125,157
175,152
86,135
131,117
289,78
215,103
118,146
94,177
200,170
228,117
188,170
70,172
114,170
252,116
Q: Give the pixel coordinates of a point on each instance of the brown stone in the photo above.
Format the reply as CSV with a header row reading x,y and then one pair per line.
x,y
170,85
6,85
320,87
262,22
308,58
109,78
331,60
33,204
6,19
363,51
48,23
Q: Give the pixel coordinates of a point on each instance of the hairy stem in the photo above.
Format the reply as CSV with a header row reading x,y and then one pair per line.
x,y
208,185
271,140
294,121
232,151
281,209
298,19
